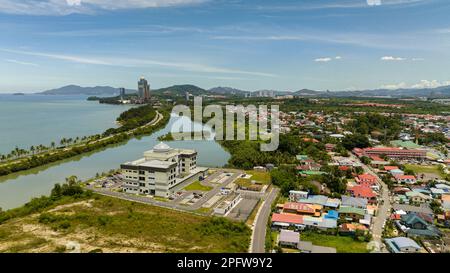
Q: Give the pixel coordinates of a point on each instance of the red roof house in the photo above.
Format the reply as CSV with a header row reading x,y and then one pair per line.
x,y
390,168
363,192
292,219
366,179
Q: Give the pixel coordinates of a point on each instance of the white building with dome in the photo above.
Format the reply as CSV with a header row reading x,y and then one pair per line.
x,y
160,171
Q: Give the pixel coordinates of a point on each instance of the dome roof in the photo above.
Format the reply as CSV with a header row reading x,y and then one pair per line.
x,y
161,148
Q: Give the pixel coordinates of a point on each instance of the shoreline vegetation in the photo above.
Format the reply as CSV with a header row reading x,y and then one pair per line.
x,y
100,223
134,122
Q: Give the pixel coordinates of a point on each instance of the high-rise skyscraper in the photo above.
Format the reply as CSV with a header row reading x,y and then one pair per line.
x,y
144,89
122,93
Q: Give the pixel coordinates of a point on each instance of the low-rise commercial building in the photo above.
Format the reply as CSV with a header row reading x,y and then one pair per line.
x,y
396,153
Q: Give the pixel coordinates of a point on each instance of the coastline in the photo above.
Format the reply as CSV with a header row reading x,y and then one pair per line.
x,y
55,155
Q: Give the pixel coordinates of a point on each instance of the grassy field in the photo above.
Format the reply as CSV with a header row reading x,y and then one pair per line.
x,y
197,186
419,169
342,244
260,177
114,225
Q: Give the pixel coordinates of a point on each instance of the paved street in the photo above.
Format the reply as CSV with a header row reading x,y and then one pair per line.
x,y
169,204
260,224
383,209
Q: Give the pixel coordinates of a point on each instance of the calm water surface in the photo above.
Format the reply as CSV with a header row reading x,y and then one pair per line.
x,y
19,188
39,119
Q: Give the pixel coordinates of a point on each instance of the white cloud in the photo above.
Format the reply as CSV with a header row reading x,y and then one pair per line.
x,y
430,84
327,59
420,85
20,62
73,2
341,4
323,60
391,58
141,62
417,59
64,7
395,86
374,2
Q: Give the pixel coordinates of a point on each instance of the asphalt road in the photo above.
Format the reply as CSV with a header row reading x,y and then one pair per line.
x,y
168,204
260,224
384,209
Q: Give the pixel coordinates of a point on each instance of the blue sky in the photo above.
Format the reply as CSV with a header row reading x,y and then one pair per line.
x,y
283,45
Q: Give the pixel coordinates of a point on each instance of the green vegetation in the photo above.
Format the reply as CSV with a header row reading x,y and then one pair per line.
x,y
355,141
343,244
332,105
166,137
419,169
247,154
68,192
383,128
131,120
105,224
197,186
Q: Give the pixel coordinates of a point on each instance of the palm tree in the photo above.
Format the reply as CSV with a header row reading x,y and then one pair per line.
x,y
71,180
32,149
53,145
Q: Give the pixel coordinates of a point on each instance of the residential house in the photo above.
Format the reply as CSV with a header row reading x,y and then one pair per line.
x,y
390,168
418,197
295,196
423,209
403,245
351,214
321,223
396,172
366,180
363,192
285,220
302,209
354,202
288,238
352,228
326,202
414,225
400,190
406,179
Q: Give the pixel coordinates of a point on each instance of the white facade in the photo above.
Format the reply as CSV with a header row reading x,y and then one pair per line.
x,y
159,171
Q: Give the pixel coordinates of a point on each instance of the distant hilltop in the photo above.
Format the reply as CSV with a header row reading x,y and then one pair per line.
x,y
182,90
90,91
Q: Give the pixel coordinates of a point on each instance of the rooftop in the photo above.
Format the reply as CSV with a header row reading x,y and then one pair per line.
x,y
401,242
289,236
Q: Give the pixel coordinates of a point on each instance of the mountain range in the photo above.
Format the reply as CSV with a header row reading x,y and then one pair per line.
x,y
180,90
90,91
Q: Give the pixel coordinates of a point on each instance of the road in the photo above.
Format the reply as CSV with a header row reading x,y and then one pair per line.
x,y
384,209
260,225
169,204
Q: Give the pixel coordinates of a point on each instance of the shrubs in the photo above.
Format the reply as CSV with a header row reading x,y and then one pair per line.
x,y
69,190
222,226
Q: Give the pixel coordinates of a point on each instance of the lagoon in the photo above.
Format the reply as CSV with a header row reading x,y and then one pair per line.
x,y
40,119
17,189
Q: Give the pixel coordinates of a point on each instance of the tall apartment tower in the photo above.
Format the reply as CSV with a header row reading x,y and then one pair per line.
x,y
186,96
144,89
122,93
